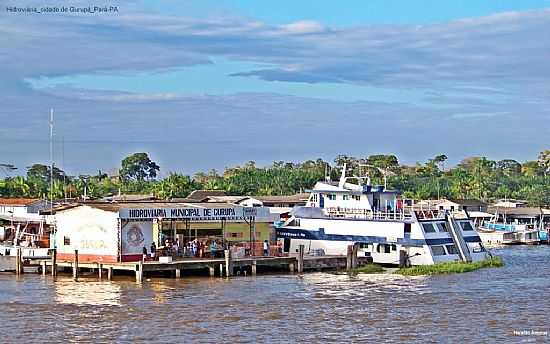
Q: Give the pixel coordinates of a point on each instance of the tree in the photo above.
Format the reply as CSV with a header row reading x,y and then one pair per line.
x,y
175,185
43,173
544,161
138,167
509,167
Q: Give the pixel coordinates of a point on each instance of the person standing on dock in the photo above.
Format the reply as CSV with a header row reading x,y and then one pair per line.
x,y
144,253
153,250
266,248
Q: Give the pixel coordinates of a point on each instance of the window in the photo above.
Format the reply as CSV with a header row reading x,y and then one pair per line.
x,y
387,248
438,250
66,241
428,227
331,197
451,249
394,247
295,222
345,197
356,197
466,226
442,227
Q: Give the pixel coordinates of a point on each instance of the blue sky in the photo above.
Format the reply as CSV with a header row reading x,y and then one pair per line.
x,y
210,84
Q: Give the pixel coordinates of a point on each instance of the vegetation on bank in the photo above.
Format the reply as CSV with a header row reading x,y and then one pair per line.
x,y
368,269
473,178
451,267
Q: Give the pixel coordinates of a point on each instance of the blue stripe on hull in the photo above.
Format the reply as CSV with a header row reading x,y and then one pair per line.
x,y
295,233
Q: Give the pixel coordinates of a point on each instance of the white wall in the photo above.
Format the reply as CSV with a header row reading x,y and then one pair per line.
x,y
90,231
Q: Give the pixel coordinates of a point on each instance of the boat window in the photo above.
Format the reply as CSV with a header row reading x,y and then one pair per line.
x,y
466,226
438,250
356,197
331,197
295,222
428,227
345,197
442,227
451,249
66,241
387,248
394,247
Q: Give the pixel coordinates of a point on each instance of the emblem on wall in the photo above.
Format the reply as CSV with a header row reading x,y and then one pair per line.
x,y
134,236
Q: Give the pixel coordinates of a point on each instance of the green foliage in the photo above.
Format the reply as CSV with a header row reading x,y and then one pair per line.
x,y
138,167
451,267
474,177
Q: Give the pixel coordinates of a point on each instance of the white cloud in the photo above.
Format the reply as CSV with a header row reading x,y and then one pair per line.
x,y
303,27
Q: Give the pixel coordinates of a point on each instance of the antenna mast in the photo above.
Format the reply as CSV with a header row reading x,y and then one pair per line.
x,y
51,160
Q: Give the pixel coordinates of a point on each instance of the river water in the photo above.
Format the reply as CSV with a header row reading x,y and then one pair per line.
x,y
482,306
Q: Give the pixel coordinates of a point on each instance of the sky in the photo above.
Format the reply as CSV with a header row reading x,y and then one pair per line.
x,y
203,85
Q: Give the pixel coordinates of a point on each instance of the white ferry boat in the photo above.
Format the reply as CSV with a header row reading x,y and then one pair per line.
x,y
339,214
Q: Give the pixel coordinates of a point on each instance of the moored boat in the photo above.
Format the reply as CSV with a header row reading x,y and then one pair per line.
x,y
389,229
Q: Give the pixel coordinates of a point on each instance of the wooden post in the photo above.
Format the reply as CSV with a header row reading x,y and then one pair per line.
x,y
253,268
18,261
354,256
402,258
300,259
221,270
291,267
75,265
110,273
228,264
54,262
139,272
100,270
211,270
178,273
44,268
349,258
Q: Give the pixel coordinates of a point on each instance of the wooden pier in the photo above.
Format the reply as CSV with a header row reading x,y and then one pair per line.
x,y
226,266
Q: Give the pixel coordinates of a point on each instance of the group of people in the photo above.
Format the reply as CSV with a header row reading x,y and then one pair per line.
x,y
209,248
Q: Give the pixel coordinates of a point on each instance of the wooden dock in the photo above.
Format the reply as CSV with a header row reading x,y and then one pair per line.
x,y
226,266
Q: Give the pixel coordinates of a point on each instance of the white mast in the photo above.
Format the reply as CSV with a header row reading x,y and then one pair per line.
x,y
51,160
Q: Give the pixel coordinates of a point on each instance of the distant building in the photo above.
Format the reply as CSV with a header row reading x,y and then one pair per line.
x,y
510,203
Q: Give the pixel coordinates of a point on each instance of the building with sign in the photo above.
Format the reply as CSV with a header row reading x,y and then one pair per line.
x,y
118,232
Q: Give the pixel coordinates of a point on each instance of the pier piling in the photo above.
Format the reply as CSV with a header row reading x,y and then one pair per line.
x,y
349,258
18,262
253,268
110,273
211,270
228,264
100,271
75,265
139,272
300,259
354,256
54,262
44,268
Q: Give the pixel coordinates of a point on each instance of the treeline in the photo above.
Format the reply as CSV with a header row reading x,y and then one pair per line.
x,y
473,178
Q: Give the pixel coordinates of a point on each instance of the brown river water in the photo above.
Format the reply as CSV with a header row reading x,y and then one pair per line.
x,y
482,306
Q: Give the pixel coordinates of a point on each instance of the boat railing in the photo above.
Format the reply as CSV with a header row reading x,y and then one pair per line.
x,y
356,213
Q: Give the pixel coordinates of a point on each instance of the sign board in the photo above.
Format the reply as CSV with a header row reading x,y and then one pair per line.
x,y
250,211
229,213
